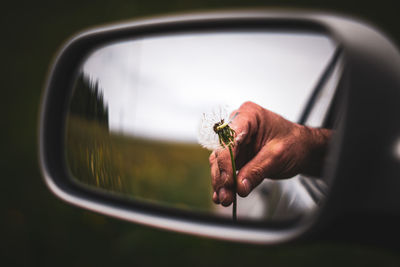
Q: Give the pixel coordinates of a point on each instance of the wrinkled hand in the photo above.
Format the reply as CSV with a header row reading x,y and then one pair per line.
x,y
266,146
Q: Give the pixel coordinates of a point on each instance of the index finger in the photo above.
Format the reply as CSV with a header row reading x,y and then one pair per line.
x,y
242,123
221,170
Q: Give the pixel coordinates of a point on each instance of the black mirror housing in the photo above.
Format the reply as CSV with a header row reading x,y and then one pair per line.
x,y
364,159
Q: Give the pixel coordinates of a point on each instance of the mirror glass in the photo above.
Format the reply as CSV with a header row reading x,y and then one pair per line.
x,y
135,111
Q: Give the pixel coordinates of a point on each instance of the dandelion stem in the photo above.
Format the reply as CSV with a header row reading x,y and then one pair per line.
x,y
234,207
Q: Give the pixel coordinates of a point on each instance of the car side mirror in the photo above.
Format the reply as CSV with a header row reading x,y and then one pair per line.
x,y
122,105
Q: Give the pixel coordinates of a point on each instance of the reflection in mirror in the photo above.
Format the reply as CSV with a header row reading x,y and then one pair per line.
x,y
134,115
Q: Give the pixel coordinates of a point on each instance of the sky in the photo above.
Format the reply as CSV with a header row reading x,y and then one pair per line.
x,y
158,87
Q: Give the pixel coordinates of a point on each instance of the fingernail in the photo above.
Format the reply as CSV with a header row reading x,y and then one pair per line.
x,y
247,185
215,196
222,195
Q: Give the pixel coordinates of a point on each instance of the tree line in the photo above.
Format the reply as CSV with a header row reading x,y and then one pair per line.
x,y
88,101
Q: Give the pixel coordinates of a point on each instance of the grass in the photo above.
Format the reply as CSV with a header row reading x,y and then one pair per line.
x,y
174,174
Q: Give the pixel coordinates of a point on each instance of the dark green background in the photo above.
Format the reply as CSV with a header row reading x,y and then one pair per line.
x,y
37,229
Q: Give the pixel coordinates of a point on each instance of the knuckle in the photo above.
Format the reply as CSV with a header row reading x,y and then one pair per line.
x,y
222,163
227,181
278,151
212,158
248,104
224,180
257,172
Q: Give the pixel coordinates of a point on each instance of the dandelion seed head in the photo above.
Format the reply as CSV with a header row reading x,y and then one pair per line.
x,y
207,137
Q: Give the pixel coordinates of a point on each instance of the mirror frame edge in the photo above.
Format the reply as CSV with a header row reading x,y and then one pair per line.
x,y
53,108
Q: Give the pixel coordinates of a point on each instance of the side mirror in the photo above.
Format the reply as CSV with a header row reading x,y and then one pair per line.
x,y
122,105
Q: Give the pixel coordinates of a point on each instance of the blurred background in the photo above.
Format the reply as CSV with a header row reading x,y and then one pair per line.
x,y
37,229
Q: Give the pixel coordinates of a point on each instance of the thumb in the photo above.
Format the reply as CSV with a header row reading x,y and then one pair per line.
x,y
253,173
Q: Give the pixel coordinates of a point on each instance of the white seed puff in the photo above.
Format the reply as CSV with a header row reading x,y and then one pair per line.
x,y
207,137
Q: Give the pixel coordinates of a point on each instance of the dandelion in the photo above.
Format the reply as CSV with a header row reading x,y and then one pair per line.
x,y
215,133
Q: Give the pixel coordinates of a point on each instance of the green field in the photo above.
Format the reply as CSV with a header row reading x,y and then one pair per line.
x,y
175,174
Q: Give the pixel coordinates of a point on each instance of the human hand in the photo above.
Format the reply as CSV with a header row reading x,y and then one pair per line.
x,y
266,146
